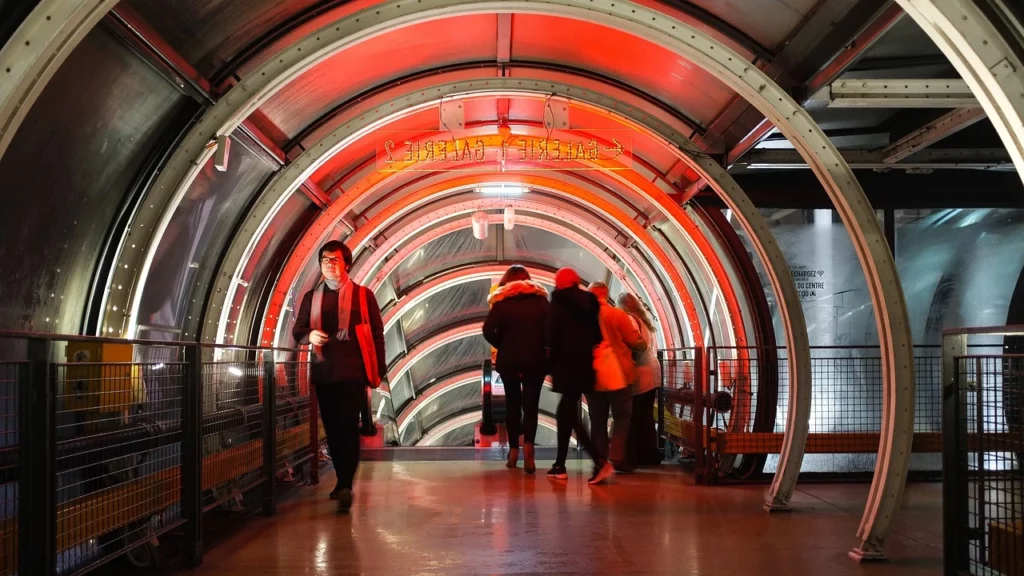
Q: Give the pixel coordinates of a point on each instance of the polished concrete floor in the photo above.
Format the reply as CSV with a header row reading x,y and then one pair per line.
x,y
480,518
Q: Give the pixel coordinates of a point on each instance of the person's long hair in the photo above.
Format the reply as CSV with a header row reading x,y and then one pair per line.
x,y
632,305
514,273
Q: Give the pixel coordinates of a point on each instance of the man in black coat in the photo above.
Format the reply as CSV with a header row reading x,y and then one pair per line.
x,y
332,318
574,333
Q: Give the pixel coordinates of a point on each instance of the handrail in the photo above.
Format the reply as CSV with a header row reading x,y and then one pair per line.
x,y
51,337
1016,330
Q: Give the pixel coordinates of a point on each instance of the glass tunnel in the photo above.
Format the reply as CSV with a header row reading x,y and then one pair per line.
x,y
806,196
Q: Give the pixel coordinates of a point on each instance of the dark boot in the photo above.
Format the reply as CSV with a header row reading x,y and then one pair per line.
x,y
513,458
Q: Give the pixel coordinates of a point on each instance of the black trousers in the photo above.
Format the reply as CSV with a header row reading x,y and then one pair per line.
x,y
340,405
522,401
620,403
643,437
568,415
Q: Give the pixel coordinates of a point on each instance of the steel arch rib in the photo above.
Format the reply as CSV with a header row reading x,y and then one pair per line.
x,y
36,50
591,202
984,60
698,244
752,221
439,389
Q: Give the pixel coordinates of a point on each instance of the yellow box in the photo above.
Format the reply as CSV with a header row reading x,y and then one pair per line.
x,y
109,382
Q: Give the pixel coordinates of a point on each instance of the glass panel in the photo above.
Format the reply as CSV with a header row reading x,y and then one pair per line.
x,y
828,276
448,359
195,238
448,251
66,172
281,234
958,268
543,247
451,307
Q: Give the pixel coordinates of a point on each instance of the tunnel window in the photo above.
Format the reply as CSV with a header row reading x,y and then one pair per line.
x,y
196,235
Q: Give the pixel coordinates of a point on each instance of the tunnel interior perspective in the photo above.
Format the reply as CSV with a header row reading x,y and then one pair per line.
x,y
818,204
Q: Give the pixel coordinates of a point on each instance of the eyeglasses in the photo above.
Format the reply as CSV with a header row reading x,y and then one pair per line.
x,y
330,261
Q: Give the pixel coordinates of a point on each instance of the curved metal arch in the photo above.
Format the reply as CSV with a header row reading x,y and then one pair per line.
x,y
764,242
421,230
36,50
985,60
699,247
513,67
449,279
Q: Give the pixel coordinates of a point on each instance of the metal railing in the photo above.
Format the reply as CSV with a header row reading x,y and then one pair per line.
x,y
108,444
727,406
983,444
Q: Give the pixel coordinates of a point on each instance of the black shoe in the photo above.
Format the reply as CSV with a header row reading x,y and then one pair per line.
x,y
558,472
601,474
336,493
368,431
344,500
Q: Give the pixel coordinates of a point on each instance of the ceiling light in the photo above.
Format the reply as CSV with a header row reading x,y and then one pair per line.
x,y
501,190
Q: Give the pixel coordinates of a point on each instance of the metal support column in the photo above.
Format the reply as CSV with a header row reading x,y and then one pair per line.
x,y
701,474
314,436
192,457
269,435
954,460
37,505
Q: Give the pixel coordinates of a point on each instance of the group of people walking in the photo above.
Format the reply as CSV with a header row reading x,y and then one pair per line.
x,y
587,345
590,348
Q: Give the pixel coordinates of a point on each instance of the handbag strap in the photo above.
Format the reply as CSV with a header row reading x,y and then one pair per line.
x,y
364,310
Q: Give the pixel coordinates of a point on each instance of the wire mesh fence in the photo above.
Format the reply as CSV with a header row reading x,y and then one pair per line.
x,y
989,444
746,407
295,443
116,460
120,438
232,432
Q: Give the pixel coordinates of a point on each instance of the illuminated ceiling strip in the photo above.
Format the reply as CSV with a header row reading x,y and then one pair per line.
x,y
451,279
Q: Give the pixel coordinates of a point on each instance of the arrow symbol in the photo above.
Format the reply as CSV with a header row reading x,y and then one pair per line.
x,y
617,149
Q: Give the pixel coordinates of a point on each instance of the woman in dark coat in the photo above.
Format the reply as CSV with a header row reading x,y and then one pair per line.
x,y
516,326
574,333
